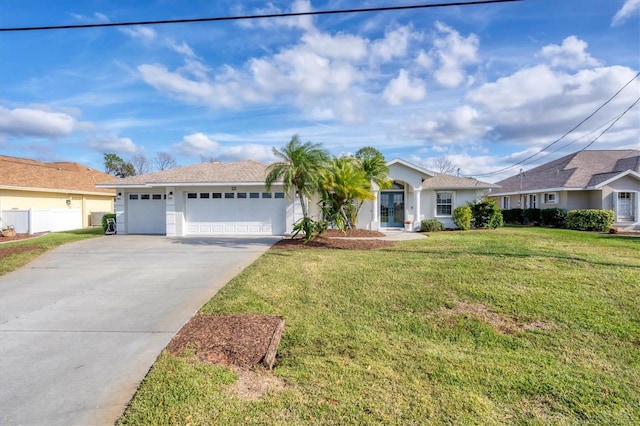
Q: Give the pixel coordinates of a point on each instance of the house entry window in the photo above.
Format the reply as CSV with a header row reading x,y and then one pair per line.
x,y
506,203
444,203
533,201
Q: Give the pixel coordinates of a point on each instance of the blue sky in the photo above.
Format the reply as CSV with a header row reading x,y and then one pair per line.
x,y
483,86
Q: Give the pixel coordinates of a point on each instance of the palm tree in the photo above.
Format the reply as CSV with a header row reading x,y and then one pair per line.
x,y
299,167
374,165
345,183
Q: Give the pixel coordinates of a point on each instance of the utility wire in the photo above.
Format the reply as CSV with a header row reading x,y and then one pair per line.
x,y
564,135
247,17
611,125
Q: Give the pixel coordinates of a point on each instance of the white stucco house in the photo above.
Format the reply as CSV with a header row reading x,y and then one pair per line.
x,y
231,199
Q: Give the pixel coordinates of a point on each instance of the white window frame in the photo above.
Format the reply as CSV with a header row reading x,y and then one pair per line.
x,y
506,202
452,203
533,201
633,196
548,198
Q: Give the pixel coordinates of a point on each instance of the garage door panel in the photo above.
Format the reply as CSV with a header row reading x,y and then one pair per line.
x,y
235,216
146,215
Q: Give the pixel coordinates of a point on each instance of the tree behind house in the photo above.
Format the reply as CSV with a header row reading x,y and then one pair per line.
x,y
116,166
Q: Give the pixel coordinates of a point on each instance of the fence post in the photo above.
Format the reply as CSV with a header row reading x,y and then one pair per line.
x,y
30,222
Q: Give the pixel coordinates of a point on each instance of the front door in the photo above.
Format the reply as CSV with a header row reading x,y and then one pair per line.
x,y
625,206
392,209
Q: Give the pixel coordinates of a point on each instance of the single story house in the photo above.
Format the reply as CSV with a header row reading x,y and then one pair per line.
x,y
231,199
36,196
596,179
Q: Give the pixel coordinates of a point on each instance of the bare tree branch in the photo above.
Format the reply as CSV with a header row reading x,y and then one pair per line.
x,y
141,164
444,165
164,161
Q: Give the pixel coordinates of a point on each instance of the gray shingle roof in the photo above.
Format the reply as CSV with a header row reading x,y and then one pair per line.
x,y
581,169
242,171
445,181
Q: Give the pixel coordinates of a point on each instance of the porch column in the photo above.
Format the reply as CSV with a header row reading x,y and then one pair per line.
x,y
417,192
376,207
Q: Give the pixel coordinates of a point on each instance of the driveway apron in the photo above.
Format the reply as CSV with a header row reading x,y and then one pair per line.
x,y
81,325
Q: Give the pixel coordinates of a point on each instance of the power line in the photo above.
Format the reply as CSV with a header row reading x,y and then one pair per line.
x,y
247,17
565,134
611,125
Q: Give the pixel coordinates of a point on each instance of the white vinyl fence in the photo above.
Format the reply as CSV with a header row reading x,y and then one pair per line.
x,y
32,221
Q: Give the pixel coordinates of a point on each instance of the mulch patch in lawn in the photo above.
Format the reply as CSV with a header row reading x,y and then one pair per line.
x,y
240,340
8,251
352,239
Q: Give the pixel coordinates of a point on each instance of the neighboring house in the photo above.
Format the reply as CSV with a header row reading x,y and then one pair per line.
x,y
582,180
231,198
57,196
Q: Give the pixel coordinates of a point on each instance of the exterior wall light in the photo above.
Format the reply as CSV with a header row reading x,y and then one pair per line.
x,y
119,197
170,195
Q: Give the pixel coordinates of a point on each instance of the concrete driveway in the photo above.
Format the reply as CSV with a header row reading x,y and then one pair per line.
x,y
81,325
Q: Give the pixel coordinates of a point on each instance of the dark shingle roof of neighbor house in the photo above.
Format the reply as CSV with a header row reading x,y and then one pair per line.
x,y
445,181
22,173
581,169
242,171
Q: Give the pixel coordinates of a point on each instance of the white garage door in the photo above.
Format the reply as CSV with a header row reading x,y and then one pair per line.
x,y
146,214
214,213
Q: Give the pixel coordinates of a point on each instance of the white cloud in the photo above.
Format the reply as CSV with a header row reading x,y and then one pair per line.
x,y
146,34
394,44
463,124
453,53
539,104
403,88
250,151
571,54
96,17
424,60
628,9
113,143
339,46
182,48
299,6
22,122
196,144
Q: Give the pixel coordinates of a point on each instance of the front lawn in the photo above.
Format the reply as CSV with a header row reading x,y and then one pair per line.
x,y
14,255
515,325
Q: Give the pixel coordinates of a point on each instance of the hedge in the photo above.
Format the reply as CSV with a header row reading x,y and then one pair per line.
x,y
462,217
431,225
532,216
486,214
515,216
555,217
590,220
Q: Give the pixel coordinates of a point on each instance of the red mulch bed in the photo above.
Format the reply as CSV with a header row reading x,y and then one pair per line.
x,y
8,251
240,340
353,239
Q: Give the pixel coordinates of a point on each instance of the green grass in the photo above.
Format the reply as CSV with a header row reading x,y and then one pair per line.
x,y
34,247
371,336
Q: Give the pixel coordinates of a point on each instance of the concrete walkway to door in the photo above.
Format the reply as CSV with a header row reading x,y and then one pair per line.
x,y
81,325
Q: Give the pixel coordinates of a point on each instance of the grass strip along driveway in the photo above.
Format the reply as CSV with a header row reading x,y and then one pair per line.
x,y
14,255
516,325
